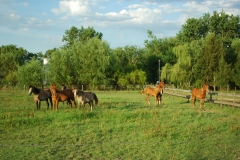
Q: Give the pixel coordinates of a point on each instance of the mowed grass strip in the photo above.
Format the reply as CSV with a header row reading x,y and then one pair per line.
x,y
121,126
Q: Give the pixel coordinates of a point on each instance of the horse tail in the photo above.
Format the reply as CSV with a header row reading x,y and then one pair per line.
x,y
95,98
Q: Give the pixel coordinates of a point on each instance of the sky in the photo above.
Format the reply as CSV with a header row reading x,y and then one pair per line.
x,y
39,25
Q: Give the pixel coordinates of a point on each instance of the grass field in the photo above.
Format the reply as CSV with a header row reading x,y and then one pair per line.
x,y
121,126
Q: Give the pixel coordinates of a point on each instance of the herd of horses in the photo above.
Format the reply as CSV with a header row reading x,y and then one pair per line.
x,y
55,95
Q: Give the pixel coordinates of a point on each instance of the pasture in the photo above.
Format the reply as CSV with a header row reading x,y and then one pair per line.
x,y
121,126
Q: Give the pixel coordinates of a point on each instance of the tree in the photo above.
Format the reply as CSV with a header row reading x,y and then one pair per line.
x,y
236,48
223,74
81,63
125,61
61,67
207,64
80,35
11,58
137,77
31,73
181,71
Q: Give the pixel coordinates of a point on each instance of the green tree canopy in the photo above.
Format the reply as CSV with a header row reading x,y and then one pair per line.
x,y
11,58
31,73
80,35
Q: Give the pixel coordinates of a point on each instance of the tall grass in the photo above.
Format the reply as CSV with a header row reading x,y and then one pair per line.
x,y
121,126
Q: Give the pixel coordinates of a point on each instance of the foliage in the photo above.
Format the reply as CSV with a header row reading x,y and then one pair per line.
x,y
82,63
137,77
31,73
80,35
126,62
60,68
236,48
208,63
11,57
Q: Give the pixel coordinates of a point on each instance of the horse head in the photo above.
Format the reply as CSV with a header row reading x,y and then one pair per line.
x,y
30,90
53,90
75,90
206,88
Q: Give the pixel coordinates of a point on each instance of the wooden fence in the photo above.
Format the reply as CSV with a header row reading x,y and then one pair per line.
x,y
231,99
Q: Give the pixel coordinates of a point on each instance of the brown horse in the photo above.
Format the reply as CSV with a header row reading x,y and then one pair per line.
x,y
62,95
199,94
155,92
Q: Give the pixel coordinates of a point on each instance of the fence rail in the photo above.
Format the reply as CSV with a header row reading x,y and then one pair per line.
x,y
214,97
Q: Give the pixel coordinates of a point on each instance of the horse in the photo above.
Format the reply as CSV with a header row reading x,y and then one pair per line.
x,y
155,92
59,97
40,95
85,97
63,87
199,94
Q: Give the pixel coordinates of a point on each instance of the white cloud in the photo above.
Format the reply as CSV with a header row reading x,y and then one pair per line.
x,y
14,16
72,7
23,29
137,14
193,6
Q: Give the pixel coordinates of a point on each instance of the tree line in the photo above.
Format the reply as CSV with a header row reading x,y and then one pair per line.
x,y
205,50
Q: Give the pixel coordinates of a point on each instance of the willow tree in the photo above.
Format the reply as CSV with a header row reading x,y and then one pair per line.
x,y
61,68
91,61
181,71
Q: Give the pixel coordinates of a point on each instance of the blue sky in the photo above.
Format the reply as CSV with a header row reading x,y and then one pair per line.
x,y
40,25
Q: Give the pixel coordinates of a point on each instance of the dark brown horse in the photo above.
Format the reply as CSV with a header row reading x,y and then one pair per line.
x,y
64,93
40,95
199,94
155,92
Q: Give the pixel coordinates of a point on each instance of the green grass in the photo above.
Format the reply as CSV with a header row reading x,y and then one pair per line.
x,y
121,126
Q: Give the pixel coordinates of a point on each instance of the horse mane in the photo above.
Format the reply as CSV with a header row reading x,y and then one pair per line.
x,y
35,89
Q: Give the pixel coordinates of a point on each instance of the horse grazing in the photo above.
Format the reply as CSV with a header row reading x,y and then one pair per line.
x,y
155,92
85,97
40,95
199,94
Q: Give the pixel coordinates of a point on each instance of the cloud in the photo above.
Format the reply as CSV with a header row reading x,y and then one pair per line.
x,y
72,7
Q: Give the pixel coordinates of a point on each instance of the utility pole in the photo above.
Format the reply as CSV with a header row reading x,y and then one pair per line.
x,y
159,71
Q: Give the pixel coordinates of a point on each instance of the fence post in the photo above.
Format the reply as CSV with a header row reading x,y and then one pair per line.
x,y
221,99
234,98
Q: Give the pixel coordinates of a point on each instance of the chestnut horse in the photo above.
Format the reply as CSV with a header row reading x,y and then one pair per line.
x,y
199,94
155,92
61,96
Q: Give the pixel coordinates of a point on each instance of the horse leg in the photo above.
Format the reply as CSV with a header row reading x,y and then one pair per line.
x,y
56,105
73,100
36,104
201,104
148,99
50,99
47,104
194,101
156,100
69,102
91,104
